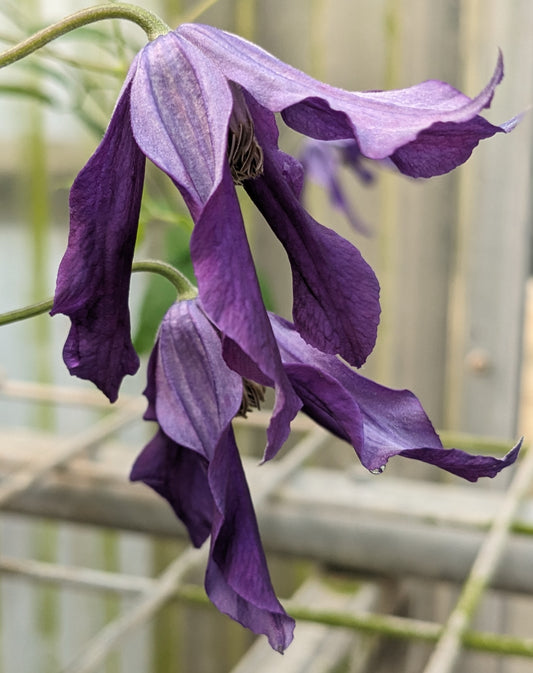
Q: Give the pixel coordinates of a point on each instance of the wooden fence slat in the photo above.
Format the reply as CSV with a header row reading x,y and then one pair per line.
x,y
494,224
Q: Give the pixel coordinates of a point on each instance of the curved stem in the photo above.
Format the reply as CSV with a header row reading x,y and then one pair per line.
x,y
184,288
152,25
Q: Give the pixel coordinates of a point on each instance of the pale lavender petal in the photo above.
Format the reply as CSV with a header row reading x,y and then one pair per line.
x,y
94,276
180,109
335,292
237,578
197,394
394,422
380,121
180,476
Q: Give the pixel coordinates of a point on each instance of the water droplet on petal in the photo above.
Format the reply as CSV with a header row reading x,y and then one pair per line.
x,y
378,470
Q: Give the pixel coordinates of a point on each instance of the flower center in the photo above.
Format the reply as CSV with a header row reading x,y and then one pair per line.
x,y
252,396
245,155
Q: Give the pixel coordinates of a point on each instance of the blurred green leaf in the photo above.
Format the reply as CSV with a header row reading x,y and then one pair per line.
x,y
27,92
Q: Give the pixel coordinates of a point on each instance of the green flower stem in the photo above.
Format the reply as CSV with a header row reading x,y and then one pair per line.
x,y
152,25
392,626
184,289
26,312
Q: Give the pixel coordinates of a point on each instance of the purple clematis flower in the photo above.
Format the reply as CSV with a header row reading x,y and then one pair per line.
x,y
322,161
194,464
200,103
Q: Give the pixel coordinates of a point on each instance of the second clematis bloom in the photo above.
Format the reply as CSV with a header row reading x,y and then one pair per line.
x,y
193,461
322,161
200,103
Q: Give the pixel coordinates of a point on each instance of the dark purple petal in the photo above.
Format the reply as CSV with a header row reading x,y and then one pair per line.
x,y
197,394
232,299
464,464
330,405
237,578
381,121
394,422
442,147
94,276
335,292
180,476
180,109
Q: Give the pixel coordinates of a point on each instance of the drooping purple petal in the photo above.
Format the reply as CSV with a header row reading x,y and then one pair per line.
x,y
464,464
442,147
335,292
380,121
237,579
231,297
180,476
197,394
393,421
94,276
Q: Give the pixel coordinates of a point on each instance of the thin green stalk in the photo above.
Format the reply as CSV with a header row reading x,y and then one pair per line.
x,y
184,288
26,312
391,626
152,25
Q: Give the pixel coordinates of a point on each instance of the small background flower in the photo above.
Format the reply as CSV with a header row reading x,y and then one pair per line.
x,y
323,161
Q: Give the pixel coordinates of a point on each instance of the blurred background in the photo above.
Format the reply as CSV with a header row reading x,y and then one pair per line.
x,y
452,255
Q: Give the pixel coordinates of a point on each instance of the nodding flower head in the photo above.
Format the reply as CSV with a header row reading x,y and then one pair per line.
x,y
200,103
